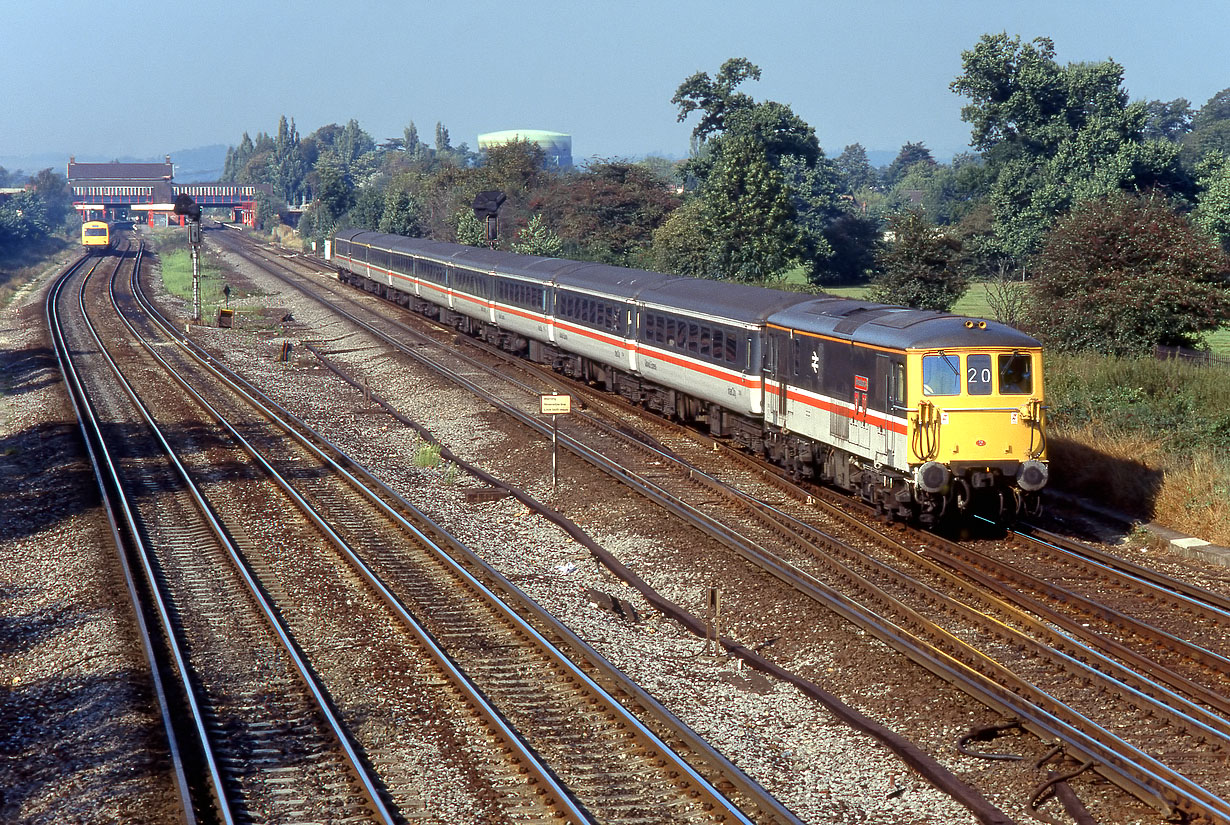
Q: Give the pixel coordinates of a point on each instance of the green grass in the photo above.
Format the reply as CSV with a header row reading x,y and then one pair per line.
x,y
177,278
1219,342
973,303
857,293
172,246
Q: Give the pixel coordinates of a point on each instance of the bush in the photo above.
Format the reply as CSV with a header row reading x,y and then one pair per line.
x,y
1123,273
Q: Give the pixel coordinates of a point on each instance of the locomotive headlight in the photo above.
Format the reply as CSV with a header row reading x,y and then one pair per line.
x,y
1032,475
932,477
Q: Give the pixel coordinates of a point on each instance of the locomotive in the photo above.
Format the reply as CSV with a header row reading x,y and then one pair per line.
x,y
929,416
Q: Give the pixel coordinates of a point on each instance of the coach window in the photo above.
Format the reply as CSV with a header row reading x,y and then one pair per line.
x,y
978,374
941,375
659,329
681,335
1016,374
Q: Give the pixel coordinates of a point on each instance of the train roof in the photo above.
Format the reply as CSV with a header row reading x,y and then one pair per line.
x,y
897,327
882,325
739,302
617,281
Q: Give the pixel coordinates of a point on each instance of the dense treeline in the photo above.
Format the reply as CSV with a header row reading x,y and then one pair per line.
x,y
38,212
1075,197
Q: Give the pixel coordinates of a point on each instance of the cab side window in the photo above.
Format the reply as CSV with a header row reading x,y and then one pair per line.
x,y
1016,375
941,375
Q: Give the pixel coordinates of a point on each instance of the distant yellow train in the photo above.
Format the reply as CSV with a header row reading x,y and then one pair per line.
x,y
96,236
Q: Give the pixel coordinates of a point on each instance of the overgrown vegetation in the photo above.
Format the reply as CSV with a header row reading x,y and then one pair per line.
x,y
37,225
176,262
1149,436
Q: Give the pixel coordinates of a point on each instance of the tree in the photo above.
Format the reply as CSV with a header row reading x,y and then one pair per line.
x,y
1215,110
715,98
416,150
56,198
401,214
355,150
945,192
23,218
335,192
237,158
286,167
748,215
1054,135
1167,120
734,129
266,210
368,208
608,212
921,265
853,165
910,154
537,239
680,244
469,229
815,193
1212,214
855,241
513,168
1213,136
1122,273
773,125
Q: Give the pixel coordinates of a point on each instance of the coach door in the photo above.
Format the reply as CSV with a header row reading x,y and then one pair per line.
x,y
885,393
774,404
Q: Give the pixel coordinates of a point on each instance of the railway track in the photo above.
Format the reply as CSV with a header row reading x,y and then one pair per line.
x,y
915,595
600,765
239,717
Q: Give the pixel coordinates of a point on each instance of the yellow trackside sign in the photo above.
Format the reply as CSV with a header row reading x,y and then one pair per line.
x,y
555,404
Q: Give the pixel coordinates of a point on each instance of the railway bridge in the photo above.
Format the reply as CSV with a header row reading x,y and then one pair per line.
x,y
103,191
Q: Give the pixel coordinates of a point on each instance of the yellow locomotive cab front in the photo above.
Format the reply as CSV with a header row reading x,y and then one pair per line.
x,y
95,236
976,427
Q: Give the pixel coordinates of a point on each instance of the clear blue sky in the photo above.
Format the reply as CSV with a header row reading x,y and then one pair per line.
x,y
146,78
